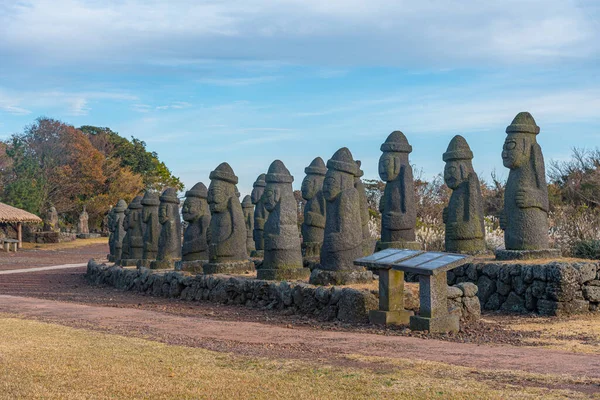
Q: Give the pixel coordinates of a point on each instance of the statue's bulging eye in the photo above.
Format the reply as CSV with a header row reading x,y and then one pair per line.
x,y
510,145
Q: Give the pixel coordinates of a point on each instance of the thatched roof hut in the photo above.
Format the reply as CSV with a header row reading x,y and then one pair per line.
x,y
17,217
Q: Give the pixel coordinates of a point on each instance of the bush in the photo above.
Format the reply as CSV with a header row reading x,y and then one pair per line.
x,y
587,249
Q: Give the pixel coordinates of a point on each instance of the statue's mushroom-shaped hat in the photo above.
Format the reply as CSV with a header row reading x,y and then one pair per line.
x,y
121,206
150,198
396,142
359,172
342,161
458,149
169,196
136,203
247,202
316,167
224,172
198,190
260,181
523,123
278,173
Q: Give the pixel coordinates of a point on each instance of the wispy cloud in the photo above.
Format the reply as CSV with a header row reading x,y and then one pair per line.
x,y
237,81
178,105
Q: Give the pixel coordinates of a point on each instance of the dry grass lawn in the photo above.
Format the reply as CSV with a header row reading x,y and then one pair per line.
x,y
41,360
65,245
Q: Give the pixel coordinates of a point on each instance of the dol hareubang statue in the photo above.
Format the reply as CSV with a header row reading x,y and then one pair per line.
x,y
195,211
260,214
313,226
397,206
525,215
248,209
227,231
118,228
343,238
368,245
283,256
134,225
169,241
150,203
465,229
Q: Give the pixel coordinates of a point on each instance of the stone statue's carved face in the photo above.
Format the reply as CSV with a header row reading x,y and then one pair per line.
x,y
192,209
516,150
271,196
311,185
256,194
454,173
389,166
163,213
332,186
219,193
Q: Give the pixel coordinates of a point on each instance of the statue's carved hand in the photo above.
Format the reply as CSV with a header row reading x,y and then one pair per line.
x,y
445,215
389,220
451,229
524,198
502,218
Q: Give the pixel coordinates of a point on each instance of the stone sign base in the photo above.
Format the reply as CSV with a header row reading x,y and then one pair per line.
x,y
257,254
504,255
443,324
345,277
232,267
379,317
291,274
163,264
191,266
397,245
129,262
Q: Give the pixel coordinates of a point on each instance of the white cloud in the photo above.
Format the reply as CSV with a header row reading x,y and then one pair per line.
x,y
236,81
178,105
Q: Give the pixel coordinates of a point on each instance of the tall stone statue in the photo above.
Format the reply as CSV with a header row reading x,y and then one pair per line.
x,y
465,231
150,203
343,238
283,255
398,209
227,232
525,215
313,227
169,241
248,209
118,228
111,234
51,220
83,227
135,233
125,248
260,214
195,211
368,244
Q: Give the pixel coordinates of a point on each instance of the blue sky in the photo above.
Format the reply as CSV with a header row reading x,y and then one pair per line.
x,y
251,81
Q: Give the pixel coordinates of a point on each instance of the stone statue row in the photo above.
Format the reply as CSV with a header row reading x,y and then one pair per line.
x,y
222,231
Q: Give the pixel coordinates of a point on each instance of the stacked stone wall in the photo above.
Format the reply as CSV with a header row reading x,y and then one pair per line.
x,y
325,303
554,288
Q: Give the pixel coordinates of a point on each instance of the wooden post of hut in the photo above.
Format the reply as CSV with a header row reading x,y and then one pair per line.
x,y
16,217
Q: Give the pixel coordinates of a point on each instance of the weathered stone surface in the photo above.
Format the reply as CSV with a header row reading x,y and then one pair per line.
x,y
51,220
368,247
135,229
514,303
592,293
169,241
433,298
82,225
469,289
248,210
505,255
525,215
196,213
111,234
397,206
343,239
313,226
150,203
125,249
118,228
260,213
281,236
454,292
465,232
227,232
355,306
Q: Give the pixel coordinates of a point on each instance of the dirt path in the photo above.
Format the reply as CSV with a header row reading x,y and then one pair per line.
x,y
33,258
268,340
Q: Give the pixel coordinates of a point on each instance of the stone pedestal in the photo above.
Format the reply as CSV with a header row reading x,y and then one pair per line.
x,y
340,277
528,254
195,266
162,264
391,300
129,262
292,274
397,245
433,313
233,267
144,263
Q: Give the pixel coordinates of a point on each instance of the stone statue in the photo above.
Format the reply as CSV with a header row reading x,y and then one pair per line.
x,y
398,209
51,220
150,203
343,238
283,255
525,215
135,232
111,234
227,232
465,231
248,209
260,213
195,211
125,248
169,241
82,226
368,244
313,226
118,228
